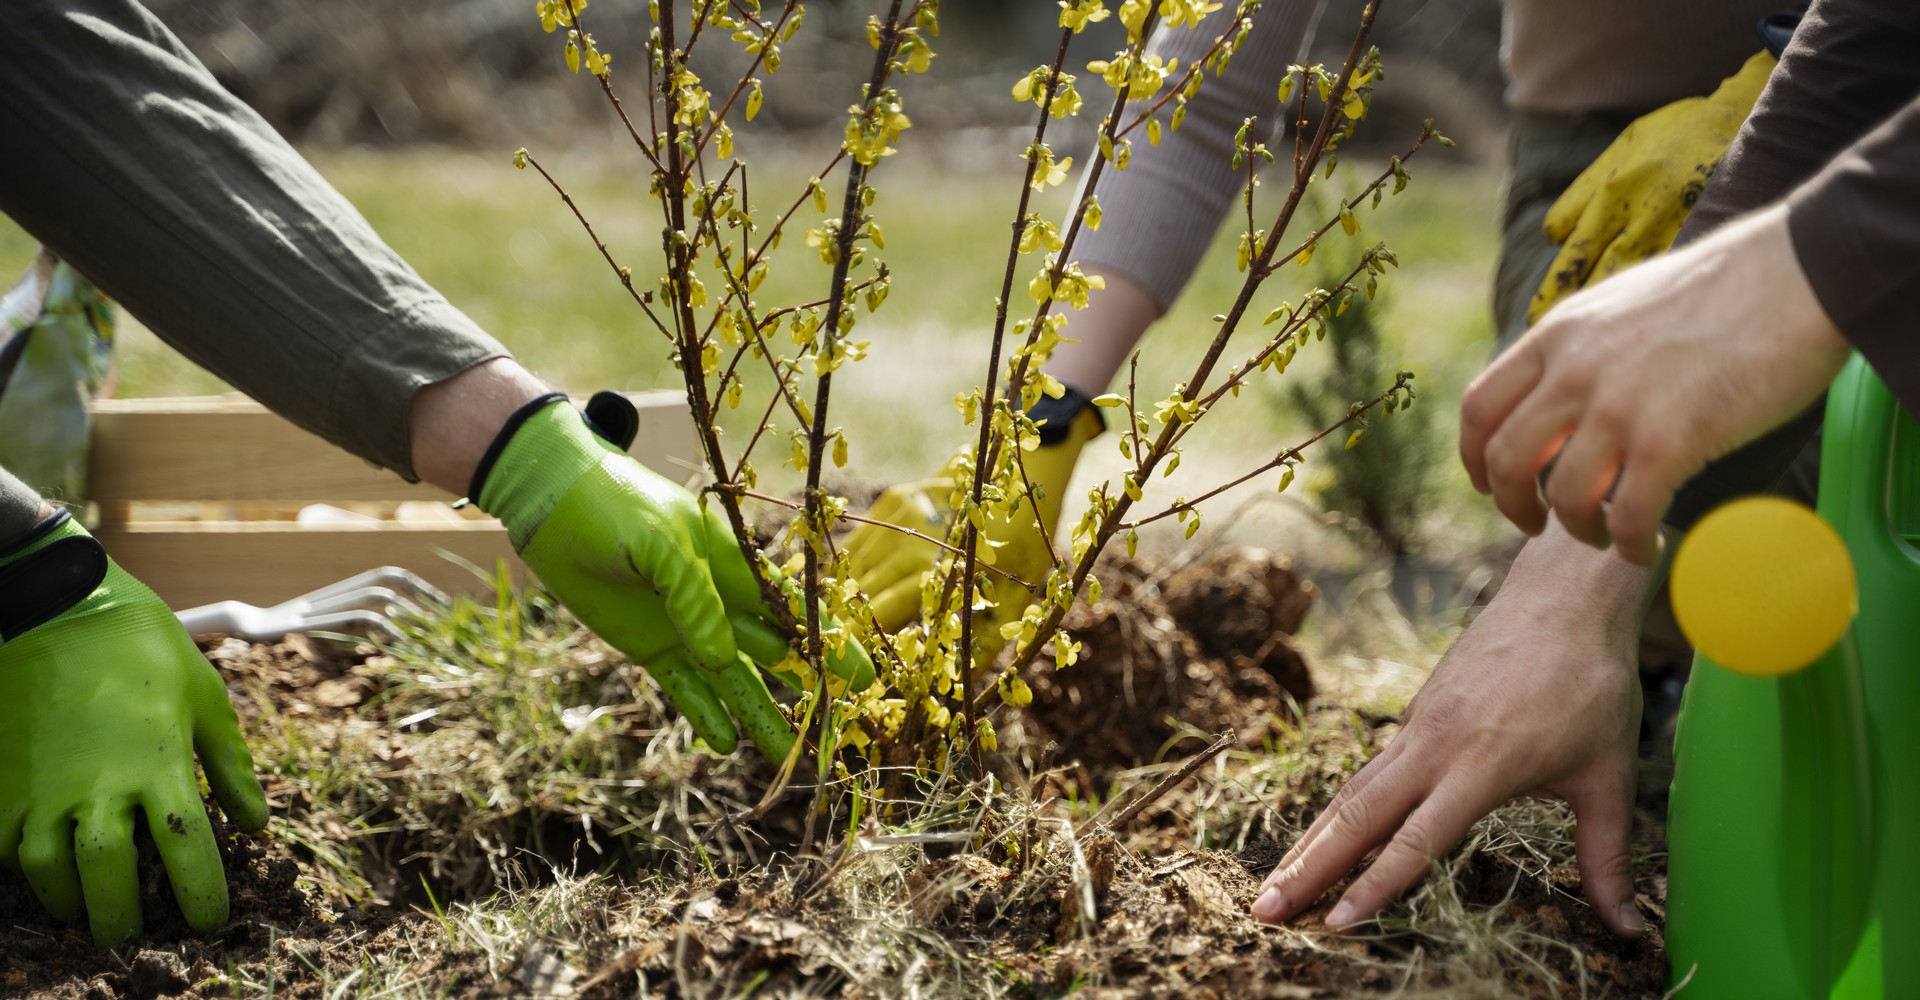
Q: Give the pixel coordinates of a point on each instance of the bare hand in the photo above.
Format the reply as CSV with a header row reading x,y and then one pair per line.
x,y
1539,696
1646,378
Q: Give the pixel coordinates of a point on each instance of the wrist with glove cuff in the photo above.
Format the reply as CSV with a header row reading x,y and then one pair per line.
x,y
1056,415
644,564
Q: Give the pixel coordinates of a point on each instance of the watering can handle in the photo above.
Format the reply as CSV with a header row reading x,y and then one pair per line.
x,y
1861,458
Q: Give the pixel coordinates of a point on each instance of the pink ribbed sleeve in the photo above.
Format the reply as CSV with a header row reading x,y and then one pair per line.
x,y
1160,213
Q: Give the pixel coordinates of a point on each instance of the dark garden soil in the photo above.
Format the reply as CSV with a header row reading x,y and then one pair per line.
x,y
1171,659
273,922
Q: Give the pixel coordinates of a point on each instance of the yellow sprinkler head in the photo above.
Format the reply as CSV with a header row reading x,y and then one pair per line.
x,y
1764,586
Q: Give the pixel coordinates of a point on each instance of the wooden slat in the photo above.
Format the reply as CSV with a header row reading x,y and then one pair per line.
x,y
219,449
191,563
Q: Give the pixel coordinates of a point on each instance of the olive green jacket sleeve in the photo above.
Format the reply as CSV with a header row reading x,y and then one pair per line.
x,y
127,158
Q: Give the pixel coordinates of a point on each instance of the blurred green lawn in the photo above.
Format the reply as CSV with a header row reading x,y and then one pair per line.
x,y
501,246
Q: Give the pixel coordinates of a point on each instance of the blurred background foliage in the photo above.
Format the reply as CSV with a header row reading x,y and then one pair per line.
x,y
469,71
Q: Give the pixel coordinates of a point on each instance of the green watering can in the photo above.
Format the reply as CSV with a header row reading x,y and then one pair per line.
x,y
1794,832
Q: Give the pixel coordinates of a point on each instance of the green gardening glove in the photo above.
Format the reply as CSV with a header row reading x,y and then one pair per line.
x,y
103,707
1629,204
638,560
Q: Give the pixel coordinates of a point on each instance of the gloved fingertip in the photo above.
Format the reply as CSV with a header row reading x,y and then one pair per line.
x,y
854,666
244,805
720,741
230,775
208,913
113,932
760,641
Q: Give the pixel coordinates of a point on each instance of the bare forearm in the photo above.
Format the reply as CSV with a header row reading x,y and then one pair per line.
x,y
1100,337
20,506
1558,569
453,422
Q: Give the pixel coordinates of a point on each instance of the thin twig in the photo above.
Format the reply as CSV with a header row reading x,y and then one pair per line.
x,y
769,37
1284,458
850,215
1226,741
625,275
606,87
983,452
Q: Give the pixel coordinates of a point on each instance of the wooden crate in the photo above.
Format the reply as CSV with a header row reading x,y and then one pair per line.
x,y
198,496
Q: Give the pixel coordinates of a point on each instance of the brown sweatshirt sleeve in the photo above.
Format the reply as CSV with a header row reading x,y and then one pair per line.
x,y
1837,130
1856,231
125,156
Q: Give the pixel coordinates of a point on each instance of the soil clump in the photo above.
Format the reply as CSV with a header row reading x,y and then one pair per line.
x,y
1170,659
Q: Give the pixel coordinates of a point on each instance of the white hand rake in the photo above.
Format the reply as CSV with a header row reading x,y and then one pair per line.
x,y
360,605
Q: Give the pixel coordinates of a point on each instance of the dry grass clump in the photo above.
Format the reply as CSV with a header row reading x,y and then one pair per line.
x,y
898,913
482,732
545,822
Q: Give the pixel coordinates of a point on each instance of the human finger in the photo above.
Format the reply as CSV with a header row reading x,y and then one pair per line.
x,y
1566,211
1354,786
905,564
1586,241
109,873
692,603
760,640
178,822
898,605
1649,235
1565,276
1430,831
1529,438
1603,821
12,818
744,691
908,504
1489,400
1361,822
1579,480
1651,474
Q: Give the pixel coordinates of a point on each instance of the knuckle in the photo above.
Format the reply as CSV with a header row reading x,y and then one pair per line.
x,y
1614,409
1582,524
1503,460
1415,841
1435,715
1630,533
1353,821
1615,864
1564,497
1655,450
1476,407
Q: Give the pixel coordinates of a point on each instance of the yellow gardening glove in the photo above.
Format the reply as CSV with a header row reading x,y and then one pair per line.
x,y
1630,203
890,565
